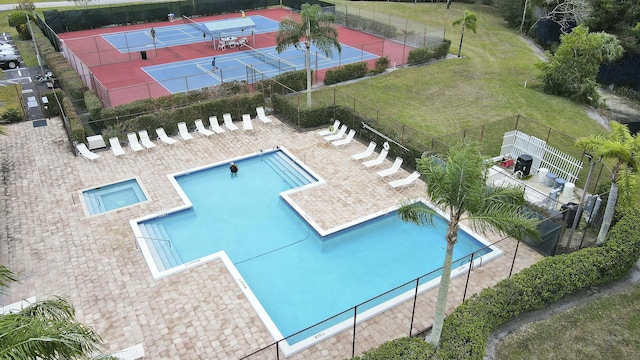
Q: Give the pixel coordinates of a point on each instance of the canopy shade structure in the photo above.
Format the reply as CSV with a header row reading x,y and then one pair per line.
x,y
221,28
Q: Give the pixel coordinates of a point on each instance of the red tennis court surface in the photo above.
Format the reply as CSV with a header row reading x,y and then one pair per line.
x,y
118,78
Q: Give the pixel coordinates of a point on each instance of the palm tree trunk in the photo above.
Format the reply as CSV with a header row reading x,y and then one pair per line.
x,y
608,213
443,292
307,61
461,37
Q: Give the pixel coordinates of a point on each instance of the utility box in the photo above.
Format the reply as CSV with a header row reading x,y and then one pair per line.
x,y
143,53
523,164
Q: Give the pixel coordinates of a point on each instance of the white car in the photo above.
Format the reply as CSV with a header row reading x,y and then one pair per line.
x,y
6,46
9,61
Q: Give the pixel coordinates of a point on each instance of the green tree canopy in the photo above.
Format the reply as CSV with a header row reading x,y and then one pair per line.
x,y
315,26
572,70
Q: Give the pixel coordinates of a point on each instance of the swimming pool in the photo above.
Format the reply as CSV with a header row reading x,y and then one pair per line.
x,y
112,196
294,273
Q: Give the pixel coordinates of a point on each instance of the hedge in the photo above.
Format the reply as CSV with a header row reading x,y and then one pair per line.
x,y
467,329
425,54
74,120
346,72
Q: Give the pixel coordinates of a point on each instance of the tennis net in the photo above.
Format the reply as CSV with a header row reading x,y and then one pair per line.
x,y
195,25
280,64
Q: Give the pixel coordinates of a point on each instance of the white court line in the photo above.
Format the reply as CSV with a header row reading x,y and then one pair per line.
x,y
208,72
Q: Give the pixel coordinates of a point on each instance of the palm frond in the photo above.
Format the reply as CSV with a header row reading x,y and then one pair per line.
x,y
6,277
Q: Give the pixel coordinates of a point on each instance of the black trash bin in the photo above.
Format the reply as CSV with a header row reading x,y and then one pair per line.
x,y
523,164
569,213
143,53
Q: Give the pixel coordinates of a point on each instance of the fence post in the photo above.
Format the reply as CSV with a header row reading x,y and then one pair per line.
x,y
548,135
513,262
353,345
482,133
517,121
415,300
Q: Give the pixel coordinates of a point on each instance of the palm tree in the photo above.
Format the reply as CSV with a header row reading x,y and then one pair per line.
x,y
44,330
624,149
468,21
457,185
315,27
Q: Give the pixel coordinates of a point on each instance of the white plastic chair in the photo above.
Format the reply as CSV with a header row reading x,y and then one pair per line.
x,y
409,180
392,170
184,132
338,135
133,142
228,122
246,122
261,115
346,141
333,129
116,148
215,126
85,152
162,136
144,139
365,154
377,161
201,129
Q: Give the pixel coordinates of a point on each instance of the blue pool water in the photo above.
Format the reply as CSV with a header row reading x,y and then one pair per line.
x,y
299,277
113,196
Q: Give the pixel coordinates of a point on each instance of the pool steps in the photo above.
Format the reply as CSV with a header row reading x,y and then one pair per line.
x,y
164,255
290,171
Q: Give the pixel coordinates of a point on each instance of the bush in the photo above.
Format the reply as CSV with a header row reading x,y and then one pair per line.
x,y
425,54
382,63
18,18
11,115
77,130
93,104
346,72
467,328
406,348
23,31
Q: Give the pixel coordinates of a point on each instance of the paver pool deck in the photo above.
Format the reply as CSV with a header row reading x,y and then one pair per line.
x,y
201,313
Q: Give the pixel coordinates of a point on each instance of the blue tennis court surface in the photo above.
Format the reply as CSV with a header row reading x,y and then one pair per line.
x,y
174,35
195,74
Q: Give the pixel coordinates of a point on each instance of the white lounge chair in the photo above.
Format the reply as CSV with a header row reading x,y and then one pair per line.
x,y
215,126
400,183
85,152
228,122
366,153
346,141
116,148
144,139
246,122
184,132
261,115
133,142
392,170
338,135
162,136
333,129
377,161
201,129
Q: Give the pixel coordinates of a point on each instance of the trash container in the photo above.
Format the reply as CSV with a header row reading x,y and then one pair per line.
x,y
523,164
550,179
559,184
542,174
569,213
143,53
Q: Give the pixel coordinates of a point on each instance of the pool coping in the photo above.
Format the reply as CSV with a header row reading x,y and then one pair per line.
x,y
85,208
290,349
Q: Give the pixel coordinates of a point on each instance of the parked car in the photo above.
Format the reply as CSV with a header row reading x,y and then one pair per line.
x,y
9,61
6,46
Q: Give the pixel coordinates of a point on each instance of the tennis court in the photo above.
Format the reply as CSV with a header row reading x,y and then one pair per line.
x,y
193,74
181,34
122,64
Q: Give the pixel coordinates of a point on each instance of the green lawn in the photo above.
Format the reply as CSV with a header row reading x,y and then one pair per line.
x,y
603,329
486,84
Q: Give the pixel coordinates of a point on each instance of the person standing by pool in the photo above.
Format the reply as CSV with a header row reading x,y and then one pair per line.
x,y
234,169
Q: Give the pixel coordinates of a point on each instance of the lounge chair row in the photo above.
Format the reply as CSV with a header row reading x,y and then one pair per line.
x,y
335,133
145,142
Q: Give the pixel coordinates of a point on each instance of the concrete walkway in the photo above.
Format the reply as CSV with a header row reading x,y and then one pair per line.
x,y
54,249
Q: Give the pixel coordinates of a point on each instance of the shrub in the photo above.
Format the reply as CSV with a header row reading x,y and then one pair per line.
x,y
346,72
93,104
75,123
425,54
405,348
23,31
382,63
11,115
18,18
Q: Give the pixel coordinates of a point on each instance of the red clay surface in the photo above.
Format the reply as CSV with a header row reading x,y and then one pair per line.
x,y
119,79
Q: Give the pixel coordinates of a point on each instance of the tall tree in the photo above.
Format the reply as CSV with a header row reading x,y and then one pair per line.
x,y
44,330
315,26
572,70
624,149
468,21
457,186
